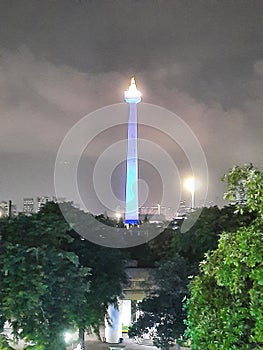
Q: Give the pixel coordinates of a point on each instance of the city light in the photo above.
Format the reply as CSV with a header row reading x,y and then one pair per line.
x,y
118,216
191,184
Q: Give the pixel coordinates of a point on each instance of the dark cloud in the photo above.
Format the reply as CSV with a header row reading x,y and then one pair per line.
x,y
60,60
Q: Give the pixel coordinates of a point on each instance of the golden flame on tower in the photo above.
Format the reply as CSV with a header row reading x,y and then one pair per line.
x,y
132,90
132,81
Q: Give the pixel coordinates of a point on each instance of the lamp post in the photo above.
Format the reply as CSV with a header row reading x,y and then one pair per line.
x,y
190,185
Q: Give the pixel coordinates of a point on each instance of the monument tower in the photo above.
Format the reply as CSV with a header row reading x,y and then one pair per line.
x,y
113,331
132,96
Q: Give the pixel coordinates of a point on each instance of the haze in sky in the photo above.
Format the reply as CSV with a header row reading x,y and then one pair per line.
x,y
61,60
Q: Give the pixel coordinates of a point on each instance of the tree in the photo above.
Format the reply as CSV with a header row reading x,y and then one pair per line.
x,y
106,280
226,302
162,313
204,234
107,266
52,279
43,287
175,250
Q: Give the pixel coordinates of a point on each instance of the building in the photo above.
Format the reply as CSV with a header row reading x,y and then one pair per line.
x,y
31,205
127,311
42,200
132,96
7,209
146,212
28,205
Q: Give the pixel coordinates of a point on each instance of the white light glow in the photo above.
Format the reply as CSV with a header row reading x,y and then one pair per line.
x,y
67,336
118,216
132,93
190,184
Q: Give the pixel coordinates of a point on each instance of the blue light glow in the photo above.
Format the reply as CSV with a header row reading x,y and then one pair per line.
x,y
131,195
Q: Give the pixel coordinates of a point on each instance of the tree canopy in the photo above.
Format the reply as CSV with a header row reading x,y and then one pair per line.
x,y
179,253
52,280
205,233
226,302
162,313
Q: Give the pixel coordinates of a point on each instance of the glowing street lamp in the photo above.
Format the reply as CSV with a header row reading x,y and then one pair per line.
x,y
68,337
190,185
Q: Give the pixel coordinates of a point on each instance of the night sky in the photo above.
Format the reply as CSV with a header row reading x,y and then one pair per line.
x,y
60,60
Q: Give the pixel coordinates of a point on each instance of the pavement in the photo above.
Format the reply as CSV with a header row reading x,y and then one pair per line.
x,y
127,344
92,343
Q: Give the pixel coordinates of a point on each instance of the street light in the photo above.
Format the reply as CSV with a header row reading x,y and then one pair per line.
x,y
190,185
68,338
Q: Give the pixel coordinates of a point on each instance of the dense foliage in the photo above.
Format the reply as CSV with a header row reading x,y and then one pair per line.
x,y
52,280
106,279
226,303
205,233
162,313
179,253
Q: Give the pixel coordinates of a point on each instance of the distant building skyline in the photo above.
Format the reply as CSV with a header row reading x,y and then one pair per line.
x,y
33,204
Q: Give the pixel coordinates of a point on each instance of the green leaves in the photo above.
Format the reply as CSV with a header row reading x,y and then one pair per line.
x,y
52,280
226,303
245,186
181,253
42,285
204,234
163,315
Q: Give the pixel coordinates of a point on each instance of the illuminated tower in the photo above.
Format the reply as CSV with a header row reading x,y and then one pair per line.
x,y
113,331
132,96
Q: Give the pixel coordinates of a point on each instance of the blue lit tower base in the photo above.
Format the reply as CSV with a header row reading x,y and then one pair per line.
x,y
132,96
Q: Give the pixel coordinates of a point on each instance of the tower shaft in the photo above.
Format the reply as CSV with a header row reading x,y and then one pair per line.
x,y
131,195
133,97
